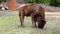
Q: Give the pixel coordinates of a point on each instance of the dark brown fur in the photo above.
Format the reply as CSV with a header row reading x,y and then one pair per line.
x,y
35,11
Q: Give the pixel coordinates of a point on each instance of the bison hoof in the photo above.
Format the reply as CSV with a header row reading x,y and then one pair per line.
x,y
22,25
34,26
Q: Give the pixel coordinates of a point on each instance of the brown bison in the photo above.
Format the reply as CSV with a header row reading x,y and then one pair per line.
x,y
35,11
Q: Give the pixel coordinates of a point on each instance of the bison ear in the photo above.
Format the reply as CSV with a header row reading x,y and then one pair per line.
x,y
41,24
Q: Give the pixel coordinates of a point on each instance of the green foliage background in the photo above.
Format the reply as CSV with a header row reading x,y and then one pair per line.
x,y
55,3
3,0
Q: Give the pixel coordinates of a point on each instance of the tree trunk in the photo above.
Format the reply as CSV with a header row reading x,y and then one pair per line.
x,y
11,4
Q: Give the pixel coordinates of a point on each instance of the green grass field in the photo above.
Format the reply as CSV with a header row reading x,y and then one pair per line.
x,y
9,24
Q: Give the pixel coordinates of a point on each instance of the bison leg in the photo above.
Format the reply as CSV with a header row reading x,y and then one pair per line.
x,y
35,19
34,22
22,20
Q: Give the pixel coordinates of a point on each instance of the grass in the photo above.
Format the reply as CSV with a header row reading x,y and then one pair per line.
x,y
10,25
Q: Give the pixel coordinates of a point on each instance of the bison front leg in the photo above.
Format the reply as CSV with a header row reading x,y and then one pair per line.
x,y
22,20
34,22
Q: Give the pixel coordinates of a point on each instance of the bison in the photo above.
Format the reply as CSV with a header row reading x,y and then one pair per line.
x,y
36,12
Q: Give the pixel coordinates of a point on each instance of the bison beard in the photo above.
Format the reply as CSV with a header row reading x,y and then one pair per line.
x,y
35,11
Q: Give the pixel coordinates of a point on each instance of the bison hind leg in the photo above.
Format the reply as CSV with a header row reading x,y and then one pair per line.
x,y
41,24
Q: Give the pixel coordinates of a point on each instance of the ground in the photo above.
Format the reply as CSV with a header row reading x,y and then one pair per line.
x,y
9,24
